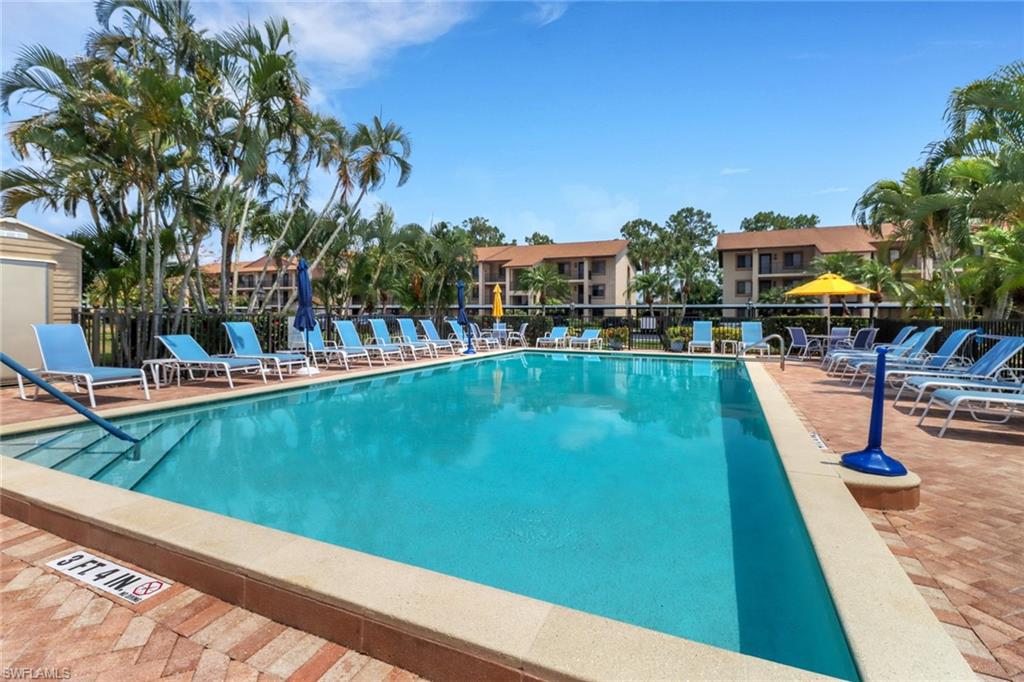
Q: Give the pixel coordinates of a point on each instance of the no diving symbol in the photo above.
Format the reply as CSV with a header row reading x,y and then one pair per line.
x,y
147,588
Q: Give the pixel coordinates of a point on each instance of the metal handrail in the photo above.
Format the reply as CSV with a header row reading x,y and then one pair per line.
x,y
782,349
81,409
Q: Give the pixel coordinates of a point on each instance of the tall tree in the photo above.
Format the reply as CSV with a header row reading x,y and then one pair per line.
x,y
538,238
482,232
763,221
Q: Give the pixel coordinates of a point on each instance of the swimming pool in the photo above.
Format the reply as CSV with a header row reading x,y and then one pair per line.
x,y
642,489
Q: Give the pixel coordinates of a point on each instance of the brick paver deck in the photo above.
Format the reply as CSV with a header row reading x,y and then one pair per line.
x,y
54,625
964,545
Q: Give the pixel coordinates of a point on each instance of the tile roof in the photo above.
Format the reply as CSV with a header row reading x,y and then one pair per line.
x,y
527,256
826,239
248,266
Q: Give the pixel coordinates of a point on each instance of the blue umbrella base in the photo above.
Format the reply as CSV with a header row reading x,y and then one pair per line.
x,y
873,461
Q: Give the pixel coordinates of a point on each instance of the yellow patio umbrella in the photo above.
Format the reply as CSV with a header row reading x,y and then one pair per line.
x,y
829,285
496,308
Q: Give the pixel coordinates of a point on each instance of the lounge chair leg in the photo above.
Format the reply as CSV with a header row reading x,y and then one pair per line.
x,y
92,397
145,386
280,375
945,425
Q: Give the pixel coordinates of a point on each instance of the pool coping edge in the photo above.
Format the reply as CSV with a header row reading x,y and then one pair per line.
x,y
891,630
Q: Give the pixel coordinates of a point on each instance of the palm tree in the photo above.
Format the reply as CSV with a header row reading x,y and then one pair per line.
x,y
545,283
842,263
650,286
377,149
931,218
881,278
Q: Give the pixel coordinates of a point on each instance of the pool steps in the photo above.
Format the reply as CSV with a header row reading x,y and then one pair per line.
x,y
92,453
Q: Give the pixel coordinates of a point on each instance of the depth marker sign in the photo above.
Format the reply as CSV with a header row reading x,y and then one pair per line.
x,y
104,574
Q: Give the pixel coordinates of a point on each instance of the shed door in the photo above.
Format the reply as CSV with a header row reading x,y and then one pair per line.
x,y
24,300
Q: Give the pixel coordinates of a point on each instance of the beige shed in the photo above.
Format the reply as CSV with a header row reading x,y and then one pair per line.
x,y
40,281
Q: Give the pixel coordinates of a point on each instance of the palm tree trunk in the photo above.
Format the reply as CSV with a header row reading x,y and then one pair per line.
x,y
330,241
238,243
277,244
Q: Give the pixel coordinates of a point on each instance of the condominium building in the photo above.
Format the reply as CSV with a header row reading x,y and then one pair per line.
x,y
754,262
249,275
598,273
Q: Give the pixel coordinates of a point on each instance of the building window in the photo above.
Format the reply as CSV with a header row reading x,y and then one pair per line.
x,y
793,259
743,261
563,269
597,267
597,291
744,287
894,255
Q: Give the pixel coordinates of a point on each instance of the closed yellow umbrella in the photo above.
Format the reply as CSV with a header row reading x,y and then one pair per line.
x,y
829,285
496,308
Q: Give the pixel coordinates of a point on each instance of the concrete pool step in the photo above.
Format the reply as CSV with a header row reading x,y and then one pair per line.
x,y
18,446
126,473
58,450
91,460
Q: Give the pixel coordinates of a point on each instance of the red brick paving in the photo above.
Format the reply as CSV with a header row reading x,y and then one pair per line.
x,y
964,545
49,622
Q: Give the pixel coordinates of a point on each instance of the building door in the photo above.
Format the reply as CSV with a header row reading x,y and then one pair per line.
x,y
24,301
764,263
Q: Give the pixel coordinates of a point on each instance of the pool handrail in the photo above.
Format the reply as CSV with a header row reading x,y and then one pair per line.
x,y
782,348
23,371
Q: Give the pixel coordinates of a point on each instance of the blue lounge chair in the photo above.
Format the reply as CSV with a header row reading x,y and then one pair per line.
x,y
319,348
801,344
480,338
752,338
946,357
188,355
455,344
900,337
409,335
555,338
382,339
977,402
245,344
459,334
65,355
703,336
433,337
350,341
983,373
838,360
590,338
913,350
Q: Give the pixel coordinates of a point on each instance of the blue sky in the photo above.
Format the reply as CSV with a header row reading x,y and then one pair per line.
x,y
574,118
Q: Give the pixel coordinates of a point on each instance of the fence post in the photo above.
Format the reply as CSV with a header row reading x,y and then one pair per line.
x,y
96,336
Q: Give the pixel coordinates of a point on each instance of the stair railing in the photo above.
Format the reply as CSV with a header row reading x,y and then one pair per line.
x,y
23,371
765,340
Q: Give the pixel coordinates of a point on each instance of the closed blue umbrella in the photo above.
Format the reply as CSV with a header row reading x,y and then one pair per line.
x,y
305,320
463,318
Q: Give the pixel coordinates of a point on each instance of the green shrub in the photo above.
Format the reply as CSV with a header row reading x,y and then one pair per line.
x,y
616,335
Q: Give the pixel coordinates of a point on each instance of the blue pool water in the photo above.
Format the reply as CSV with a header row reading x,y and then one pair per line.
x,y
640,489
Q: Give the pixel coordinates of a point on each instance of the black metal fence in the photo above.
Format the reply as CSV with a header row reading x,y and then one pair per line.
x,y
113,337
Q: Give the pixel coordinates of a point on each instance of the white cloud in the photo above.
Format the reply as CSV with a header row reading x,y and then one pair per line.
x,y
346,41
544,13
733,171
830,190
525,223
